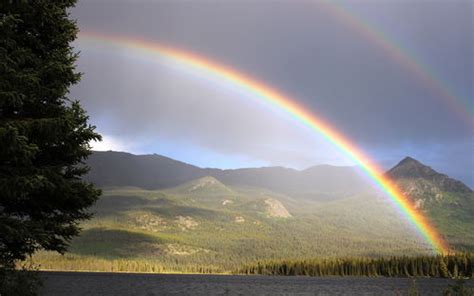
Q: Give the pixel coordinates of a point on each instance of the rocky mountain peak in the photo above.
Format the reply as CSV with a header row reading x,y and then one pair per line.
x,y
422,183
412,168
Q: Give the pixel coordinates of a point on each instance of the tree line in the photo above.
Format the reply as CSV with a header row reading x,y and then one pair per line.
x,y
70,262
443,266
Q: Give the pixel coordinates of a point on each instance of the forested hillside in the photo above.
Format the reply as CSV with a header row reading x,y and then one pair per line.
x,y
211,224
217,227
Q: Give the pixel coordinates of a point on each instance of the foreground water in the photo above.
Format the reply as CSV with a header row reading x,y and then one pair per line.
x,y
72,284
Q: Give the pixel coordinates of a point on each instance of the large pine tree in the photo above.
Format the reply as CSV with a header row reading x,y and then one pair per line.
x,y
44,135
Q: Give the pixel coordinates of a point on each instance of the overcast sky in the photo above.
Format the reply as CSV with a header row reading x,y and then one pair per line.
x,y
305,49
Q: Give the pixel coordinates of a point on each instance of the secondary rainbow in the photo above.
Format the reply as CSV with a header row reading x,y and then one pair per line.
x,y
420,72
279,100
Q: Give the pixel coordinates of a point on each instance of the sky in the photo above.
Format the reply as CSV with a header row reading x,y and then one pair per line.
x,y
356,64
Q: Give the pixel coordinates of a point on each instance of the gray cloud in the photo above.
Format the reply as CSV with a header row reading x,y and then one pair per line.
x,y
297,47
139,100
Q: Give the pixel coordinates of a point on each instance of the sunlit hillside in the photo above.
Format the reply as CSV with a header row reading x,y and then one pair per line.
x,y
206,225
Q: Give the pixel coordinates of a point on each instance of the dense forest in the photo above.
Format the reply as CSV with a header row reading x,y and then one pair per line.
x,y
449,266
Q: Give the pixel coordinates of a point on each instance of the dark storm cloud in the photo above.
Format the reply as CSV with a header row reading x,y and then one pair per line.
x,y
300,48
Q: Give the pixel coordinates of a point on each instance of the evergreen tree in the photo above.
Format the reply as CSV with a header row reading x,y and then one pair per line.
x,y
44,136
443,268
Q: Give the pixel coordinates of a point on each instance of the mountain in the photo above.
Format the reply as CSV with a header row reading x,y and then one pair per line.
x,y
319,183
110,169
412,169
448,203
424,184
159,214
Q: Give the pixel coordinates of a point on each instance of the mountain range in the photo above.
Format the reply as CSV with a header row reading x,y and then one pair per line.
x,y
159,172
157,213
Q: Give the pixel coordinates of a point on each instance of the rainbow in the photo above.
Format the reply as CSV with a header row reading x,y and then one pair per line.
x,y
258,90
422,73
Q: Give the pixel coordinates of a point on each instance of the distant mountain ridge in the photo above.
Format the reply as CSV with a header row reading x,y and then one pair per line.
x,y
416,180
158,172
110,168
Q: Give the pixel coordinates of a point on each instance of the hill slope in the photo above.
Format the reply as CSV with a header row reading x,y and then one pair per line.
x,y
222,227
216,220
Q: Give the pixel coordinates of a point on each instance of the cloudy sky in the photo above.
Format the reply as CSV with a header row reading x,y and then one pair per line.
x,y
395,77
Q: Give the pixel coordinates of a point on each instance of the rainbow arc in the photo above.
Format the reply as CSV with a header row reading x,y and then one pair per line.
x,y
281,101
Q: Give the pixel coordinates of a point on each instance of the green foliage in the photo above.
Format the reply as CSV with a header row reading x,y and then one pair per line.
x,y
23,282
420,266
44,136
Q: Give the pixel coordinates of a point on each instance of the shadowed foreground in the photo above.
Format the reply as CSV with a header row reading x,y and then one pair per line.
x,y
72,284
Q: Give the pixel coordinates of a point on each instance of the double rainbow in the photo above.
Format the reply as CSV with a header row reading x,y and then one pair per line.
x,y
277,99
421,73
